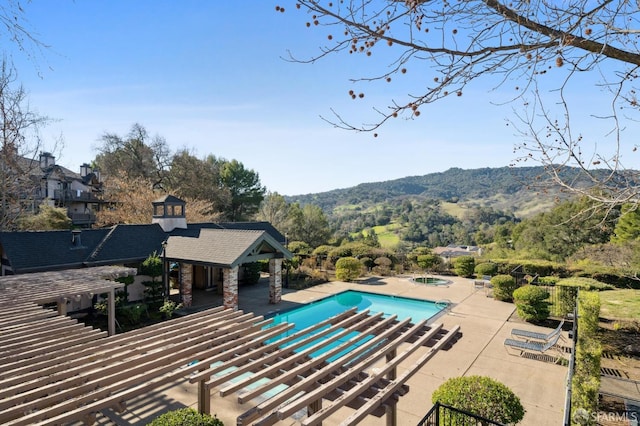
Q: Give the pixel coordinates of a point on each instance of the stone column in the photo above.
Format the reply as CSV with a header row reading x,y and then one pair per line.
x,y
230,288
186,286
275,280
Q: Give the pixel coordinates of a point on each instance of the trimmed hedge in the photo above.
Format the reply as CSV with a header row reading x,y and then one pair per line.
x,y
531,303
463,266
586,377
482,396
503,287
486,268
348,268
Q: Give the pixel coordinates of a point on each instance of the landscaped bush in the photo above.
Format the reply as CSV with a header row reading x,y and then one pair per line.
x,y
383,266
586,378
532,267
548,281
185,417
531,303
482,396
585,284
463,266
428,262
503,287
348,268
486,268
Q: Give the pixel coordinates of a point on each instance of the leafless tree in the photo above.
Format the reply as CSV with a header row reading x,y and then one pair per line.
x,y
540,49
15,30
20,144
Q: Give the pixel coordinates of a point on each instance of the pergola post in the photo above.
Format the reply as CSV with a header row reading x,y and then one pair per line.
x,y
111,309
204,398
275,280
391,410
62,306
314,407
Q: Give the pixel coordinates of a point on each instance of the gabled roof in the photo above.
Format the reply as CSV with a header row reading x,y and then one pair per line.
x,y
34,251
225,247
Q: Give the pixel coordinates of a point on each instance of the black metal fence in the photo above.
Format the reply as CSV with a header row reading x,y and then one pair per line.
x,y
445,415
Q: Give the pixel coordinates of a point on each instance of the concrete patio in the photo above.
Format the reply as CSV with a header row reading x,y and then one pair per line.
x,y
484,322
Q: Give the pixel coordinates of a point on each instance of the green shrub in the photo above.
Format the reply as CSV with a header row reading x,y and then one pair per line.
x,y
586,377
348,268
531,303
463,266
132,313
251,273
503,287
482,396
585,284
185,417
486,268
548,281
428,262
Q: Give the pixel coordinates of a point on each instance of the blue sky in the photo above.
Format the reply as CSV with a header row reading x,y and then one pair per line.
x,y
209,76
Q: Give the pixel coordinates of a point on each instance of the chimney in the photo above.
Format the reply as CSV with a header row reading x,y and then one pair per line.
x,y
85,169
46,160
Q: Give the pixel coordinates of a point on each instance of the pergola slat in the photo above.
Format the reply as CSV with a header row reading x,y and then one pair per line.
x,y
391,388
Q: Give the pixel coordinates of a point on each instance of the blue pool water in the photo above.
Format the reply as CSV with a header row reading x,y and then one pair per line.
x,y
315,312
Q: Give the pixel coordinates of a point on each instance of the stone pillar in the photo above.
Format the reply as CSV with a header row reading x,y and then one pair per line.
x,y
186,286
230,288
275,280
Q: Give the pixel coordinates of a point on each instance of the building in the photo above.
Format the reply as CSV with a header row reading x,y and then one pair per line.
x,y
206,255
452,251
80,193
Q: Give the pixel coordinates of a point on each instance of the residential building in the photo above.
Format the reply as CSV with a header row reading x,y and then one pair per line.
x,y
80,193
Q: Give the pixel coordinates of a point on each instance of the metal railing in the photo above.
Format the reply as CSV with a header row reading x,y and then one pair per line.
x,y
75,195
445,415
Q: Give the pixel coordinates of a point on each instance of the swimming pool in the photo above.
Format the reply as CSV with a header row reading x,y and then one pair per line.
x,y
315,312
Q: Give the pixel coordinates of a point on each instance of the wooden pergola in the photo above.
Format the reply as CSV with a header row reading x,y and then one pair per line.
x,y
57,371
60,286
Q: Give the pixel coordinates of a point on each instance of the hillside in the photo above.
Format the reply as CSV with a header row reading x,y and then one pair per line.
x,y
506,189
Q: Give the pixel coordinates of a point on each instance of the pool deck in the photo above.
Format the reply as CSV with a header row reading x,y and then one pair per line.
x,y
484,322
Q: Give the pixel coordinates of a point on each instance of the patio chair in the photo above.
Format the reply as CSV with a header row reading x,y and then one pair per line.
x,y
531,347
533,335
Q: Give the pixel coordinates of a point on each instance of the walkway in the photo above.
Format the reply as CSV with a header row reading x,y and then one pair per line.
x,y
484,324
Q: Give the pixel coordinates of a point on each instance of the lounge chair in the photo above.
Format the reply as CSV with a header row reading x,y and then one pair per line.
x,y
538,348
532,335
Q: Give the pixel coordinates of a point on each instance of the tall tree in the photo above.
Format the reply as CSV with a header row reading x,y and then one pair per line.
x,y
137,155
245,188
546,54
191,177
20,143
628,225
309,224
275,210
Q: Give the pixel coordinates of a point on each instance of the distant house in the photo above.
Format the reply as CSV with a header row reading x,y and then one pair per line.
x,y
208,255
80,193
452,251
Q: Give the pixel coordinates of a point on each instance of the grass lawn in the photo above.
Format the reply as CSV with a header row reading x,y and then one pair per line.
x,y
620,304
